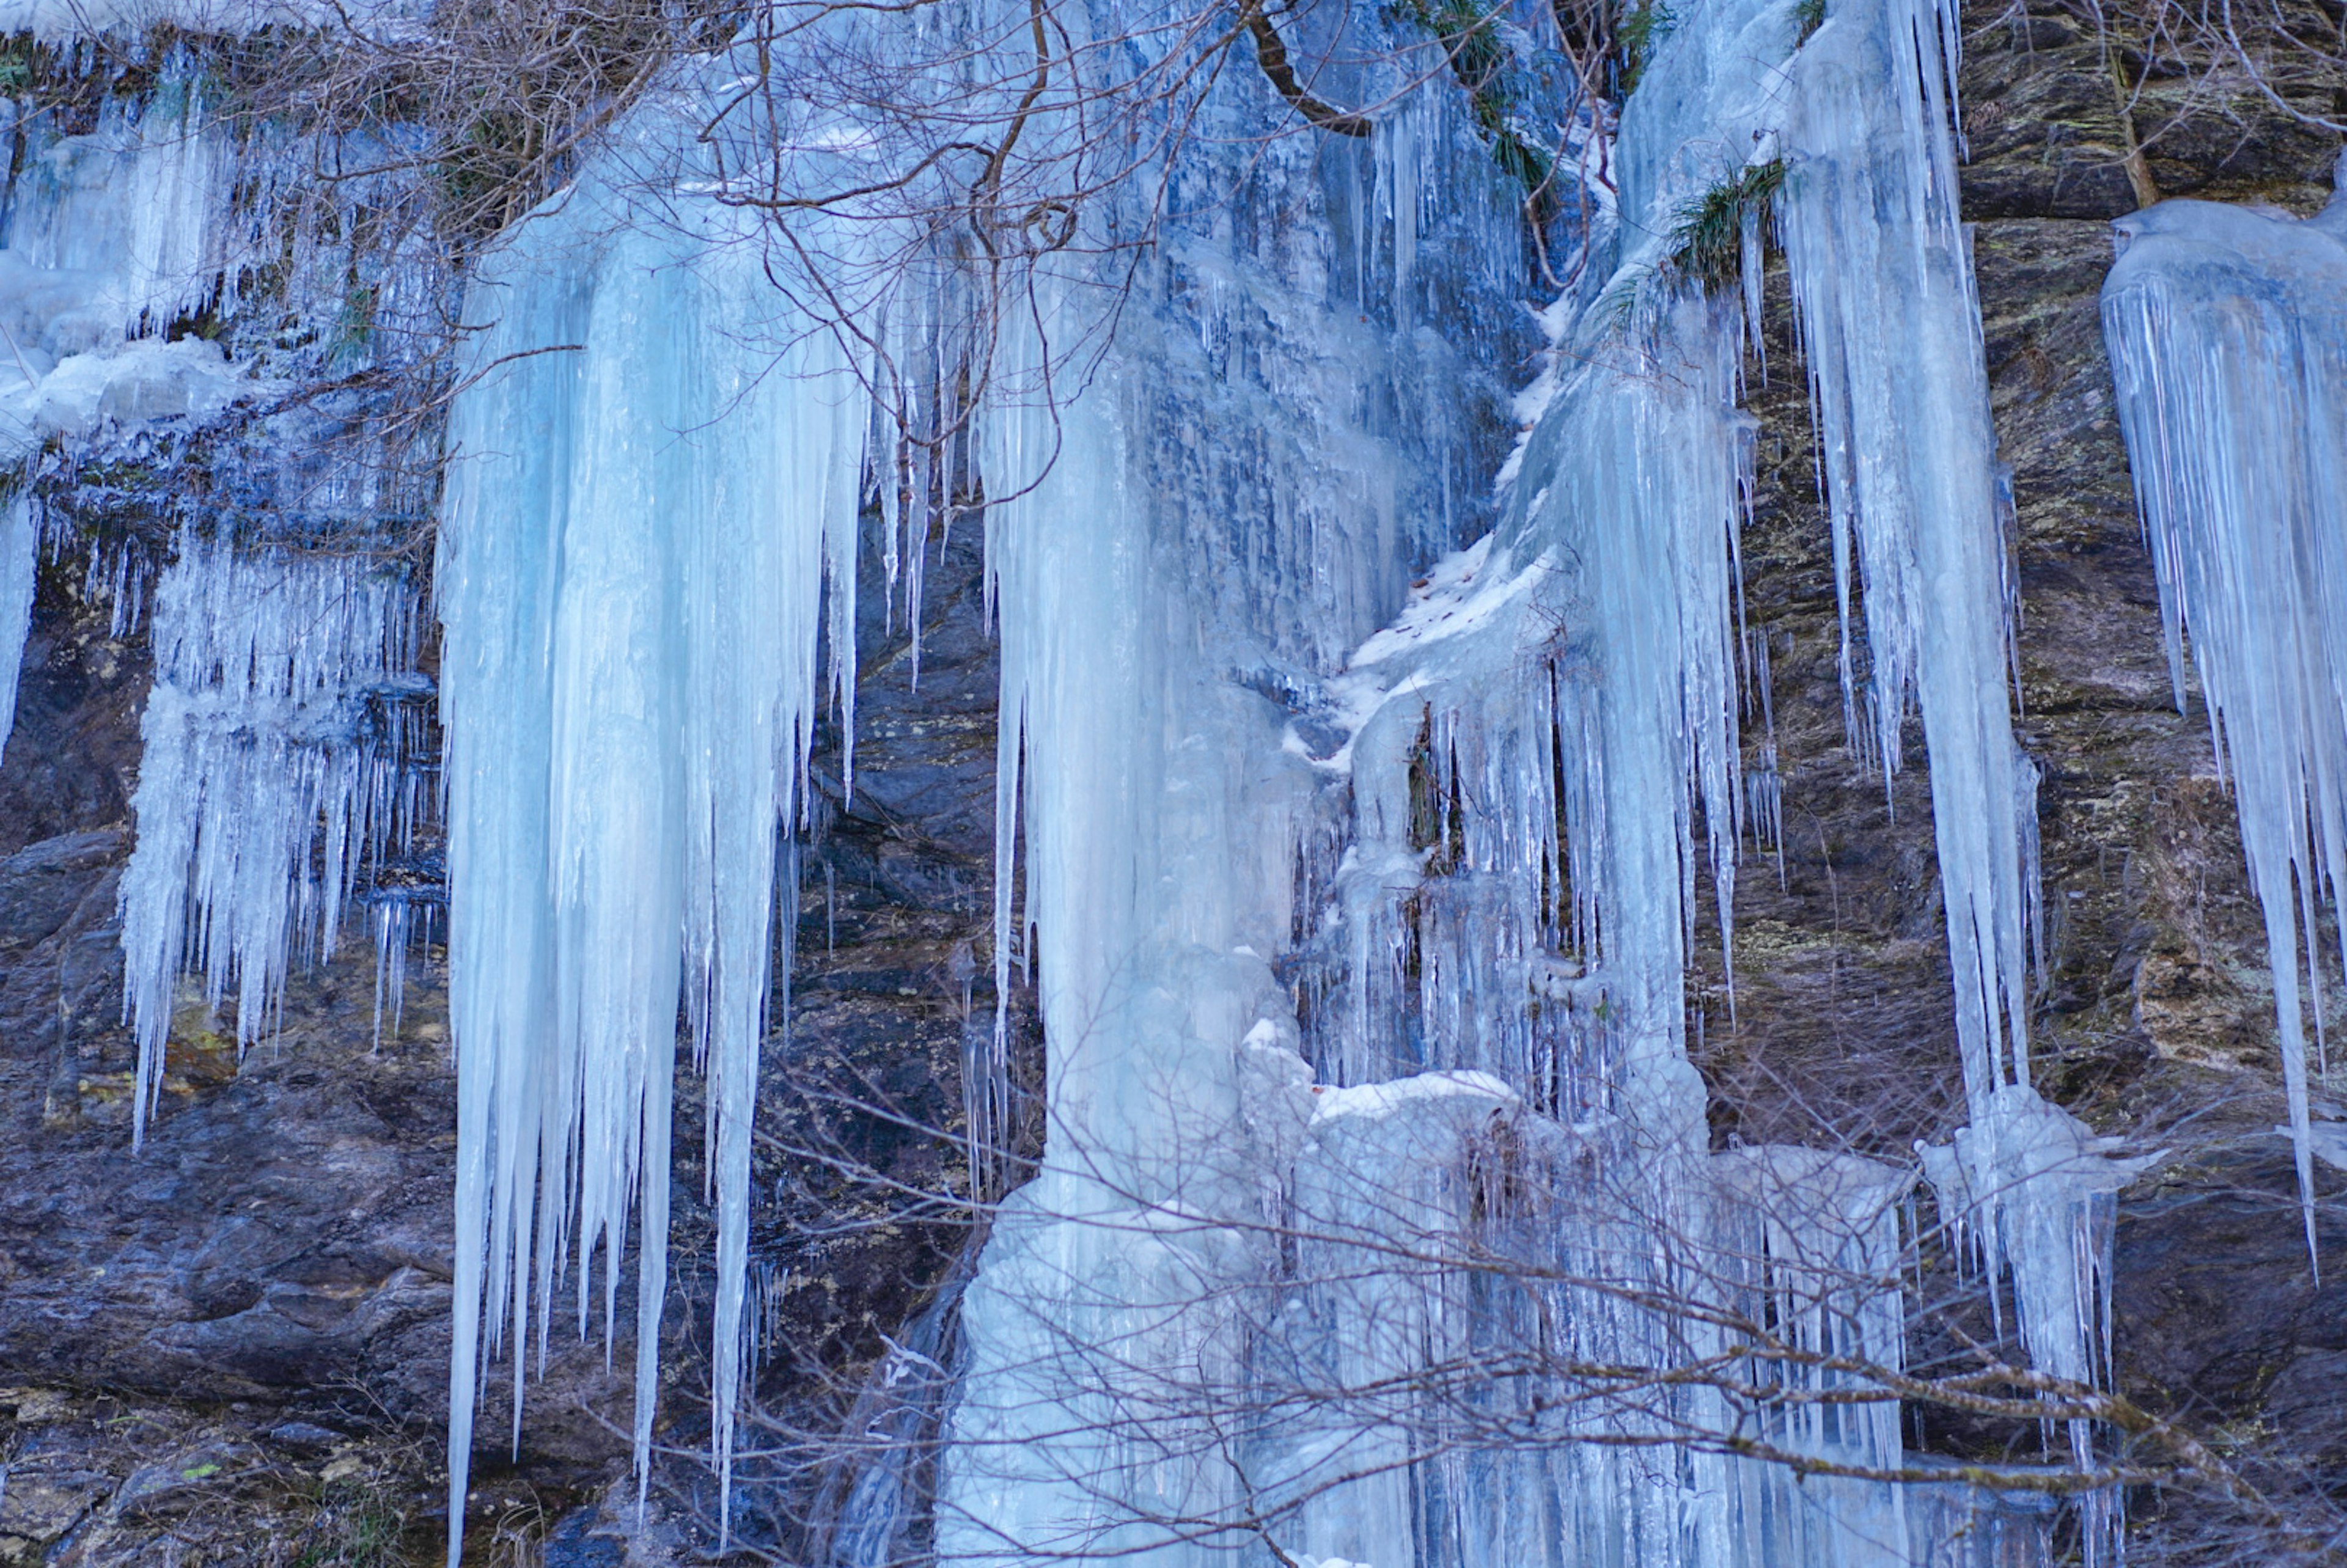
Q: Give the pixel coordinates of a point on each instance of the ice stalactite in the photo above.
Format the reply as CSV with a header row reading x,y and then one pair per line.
x,y
1872,234
20,565
2051,1228
272,769
652,485
2227,336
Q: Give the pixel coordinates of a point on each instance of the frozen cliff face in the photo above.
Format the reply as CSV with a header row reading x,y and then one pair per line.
x,y
2227,338
1281,812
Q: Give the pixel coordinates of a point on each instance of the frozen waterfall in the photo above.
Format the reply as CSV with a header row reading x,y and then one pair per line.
x,y
1354,812
1238,1311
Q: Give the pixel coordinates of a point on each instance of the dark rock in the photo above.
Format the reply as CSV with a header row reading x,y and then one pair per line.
x,y
306,1438
200,1476
575,1542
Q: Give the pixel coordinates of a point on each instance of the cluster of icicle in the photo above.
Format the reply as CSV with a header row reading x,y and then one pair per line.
x,y
644,510
633,557
271,773
1872,234
276,730
1499,951
2227,334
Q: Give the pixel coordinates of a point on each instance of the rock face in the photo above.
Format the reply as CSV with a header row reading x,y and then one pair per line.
x,y
2155,1012
234,1340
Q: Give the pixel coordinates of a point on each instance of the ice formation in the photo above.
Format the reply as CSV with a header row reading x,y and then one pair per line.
x,y
1541,757
2227,336
273,761
1230,506
113,238
648,488
1872,235
273,768
20,561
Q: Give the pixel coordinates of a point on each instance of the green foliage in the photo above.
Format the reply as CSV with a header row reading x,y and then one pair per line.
x,y
17,65
1619,302
1707,239
1642,27
1482,63
357,1524
1810,16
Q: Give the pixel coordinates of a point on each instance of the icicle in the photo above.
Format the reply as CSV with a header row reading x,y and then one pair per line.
x,y
2229,345
630,581
20,565
1919,509
261,786
1872,235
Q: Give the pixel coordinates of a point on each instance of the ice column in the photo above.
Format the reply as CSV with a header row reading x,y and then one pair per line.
x,y
651,487
1275,438
1158,819
2228,333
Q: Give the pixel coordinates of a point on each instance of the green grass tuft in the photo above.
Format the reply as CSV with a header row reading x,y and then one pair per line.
x,y
1707,241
